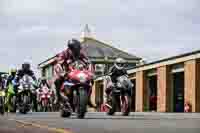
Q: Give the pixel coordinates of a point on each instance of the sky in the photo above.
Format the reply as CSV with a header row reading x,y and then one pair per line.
x,y
34,30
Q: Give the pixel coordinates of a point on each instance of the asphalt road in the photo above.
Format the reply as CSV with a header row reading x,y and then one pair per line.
x,y
101,123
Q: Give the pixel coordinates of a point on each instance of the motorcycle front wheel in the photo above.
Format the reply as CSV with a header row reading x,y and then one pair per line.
x,y
113,104
13,103
24,109
82,100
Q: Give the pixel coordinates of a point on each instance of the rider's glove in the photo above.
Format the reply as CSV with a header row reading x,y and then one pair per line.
x,y
15,83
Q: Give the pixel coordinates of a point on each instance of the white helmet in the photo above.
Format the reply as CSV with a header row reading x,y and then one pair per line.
x,y
120,63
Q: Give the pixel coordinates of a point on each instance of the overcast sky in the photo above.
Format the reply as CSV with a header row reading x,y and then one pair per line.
x,y
153,29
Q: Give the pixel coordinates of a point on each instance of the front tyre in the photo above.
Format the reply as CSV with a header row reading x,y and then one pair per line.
x,y
23,108
113,104
13,103
82,103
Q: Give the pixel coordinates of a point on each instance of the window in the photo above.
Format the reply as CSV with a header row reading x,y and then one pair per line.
x,y
99,67
49,72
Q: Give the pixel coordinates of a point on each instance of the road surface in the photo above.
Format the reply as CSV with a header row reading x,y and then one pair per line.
x,y
101,123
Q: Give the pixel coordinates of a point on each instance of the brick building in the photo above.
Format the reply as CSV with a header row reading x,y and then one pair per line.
x,y
170,82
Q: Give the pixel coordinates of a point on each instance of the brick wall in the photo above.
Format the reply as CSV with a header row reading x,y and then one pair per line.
x,y
141,91
164,89
192,85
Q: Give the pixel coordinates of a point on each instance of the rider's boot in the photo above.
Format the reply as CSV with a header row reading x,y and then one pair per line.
x,y
65,103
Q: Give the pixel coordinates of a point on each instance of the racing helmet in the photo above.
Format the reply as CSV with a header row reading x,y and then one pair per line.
x,y
119,63
75,46
26,66
12,71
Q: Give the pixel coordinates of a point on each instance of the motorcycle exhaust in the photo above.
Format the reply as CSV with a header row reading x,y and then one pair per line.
x,y
108,106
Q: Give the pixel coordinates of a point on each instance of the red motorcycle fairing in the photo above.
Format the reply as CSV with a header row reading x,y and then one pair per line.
x,y
45,94
77,78
75,75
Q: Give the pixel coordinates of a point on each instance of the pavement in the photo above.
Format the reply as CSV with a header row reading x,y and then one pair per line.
x,y
12,126
95,122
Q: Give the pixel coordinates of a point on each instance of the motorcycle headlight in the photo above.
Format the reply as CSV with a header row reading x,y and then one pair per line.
x,y
20,90
82,78
26,86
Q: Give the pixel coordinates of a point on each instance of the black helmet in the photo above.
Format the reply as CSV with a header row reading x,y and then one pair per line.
x,y
43,81
75,46
26,66
119,63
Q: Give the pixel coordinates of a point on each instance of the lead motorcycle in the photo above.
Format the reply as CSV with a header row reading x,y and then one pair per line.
x,y
25,90
77,87
120,96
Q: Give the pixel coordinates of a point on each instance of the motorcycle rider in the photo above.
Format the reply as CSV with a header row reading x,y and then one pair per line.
x,y
11,77
116,71
26,69
70,55
43,83
9,82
